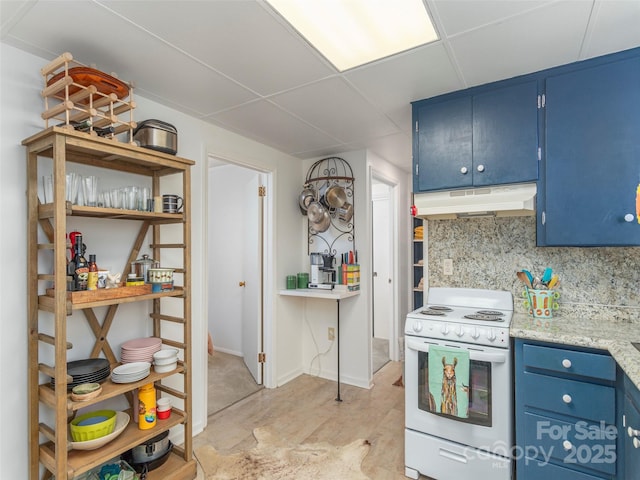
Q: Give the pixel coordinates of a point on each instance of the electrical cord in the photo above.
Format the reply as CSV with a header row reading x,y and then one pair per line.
x,y
319,354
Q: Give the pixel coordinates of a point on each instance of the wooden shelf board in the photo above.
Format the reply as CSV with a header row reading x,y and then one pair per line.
x,y
91,150
176,468
80,461
46,301
158,218
109,389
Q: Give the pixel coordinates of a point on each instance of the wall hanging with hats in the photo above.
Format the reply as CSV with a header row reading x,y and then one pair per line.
x,y
327,202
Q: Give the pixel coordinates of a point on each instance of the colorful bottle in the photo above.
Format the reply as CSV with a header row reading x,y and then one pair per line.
x,y
92,280
146,407
80,265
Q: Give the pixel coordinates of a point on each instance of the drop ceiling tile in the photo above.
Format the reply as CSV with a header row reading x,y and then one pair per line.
x,y
614,27
394,83
540,39
132,54
335,107
264,122
240,39
463,15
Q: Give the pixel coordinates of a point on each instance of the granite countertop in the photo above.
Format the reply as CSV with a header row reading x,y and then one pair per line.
x,y
585,331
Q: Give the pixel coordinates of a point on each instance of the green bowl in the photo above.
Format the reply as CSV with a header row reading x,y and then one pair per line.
x,y
92,425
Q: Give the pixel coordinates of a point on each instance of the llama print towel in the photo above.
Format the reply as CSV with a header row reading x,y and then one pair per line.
x,y
449,380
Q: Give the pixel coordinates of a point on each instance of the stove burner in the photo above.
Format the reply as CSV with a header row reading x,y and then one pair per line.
x,y
495,313
488,318
442,308
430,311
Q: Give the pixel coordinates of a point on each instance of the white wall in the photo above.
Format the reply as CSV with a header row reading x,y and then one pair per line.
x,y
21,104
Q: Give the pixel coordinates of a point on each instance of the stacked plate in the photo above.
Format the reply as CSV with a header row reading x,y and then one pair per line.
x,y
130,372
139,350
89,370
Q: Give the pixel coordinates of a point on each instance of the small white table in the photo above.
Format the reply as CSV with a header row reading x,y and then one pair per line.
x,y
326,295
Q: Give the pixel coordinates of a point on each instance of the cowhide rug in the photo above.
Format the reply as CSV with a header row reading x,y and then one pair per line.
x,y
272,458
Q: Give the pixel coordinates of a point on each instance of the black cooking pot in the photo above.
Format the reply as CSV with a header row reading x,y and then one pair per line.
x,y
144,467
151,449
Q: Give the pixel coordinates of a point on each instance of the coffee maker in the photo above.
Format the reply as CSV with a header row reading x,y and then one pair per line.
x,y
323,275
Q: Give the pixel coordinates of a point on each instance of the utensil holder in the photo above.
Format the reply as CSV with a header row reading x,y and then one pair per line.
x,y
541,303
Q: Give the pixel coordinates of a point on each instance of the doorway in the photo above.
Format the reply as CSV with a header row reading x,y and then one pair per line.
x,y
235,319
383,298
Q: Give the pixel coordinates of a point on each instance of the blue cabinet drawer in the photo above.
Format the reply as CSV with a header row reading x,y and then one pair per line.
x,y
581,364
574,444
545,471
569,397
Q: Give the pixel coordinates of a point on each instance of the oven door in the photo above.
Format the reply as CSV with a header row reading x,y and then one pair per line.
x,y
488,426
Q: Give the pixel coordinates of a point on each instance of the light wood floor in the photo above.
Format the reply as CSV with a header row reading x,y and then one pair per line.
x,y
305,411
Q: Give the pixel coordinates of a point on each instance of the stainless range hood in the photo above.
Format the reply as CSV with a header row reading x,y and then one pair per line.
x,y
499,201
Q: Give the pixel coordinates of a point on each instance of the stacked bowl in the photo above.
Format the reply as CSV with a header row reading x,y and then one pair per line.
x,y
165,360
140,349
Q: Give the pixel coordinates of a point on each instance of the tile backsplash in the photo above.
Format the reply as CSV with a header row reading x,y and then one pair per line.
x,y
487,252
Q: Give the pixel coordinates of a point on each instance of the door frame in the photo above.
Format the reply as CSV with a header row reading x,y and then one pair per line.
x,y
377,176
267,271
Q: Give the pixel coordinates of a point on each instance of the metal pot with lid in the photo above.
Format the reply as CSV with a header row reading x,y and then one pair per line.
x,y
141,267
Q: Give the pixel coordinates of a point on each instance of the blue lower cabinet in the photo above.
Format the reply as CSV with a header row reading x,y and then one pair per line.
x,y
565,416
536,470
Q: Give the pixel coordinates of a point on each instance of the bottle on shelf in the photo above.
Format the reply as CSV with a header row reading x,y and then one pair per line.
x,y
146,407
78,267
92,279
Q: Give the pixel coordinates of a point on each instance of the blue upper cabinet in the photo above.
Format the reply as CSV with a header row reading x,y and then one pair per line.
x,y
592,157
478,137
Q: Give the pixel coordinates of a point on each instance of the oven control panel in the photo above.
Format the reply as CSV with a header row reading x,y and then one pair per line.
x,y
459,332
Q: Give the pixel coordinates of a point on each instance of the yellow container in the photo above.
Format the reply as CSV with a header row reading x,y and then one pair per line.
x,y
146,407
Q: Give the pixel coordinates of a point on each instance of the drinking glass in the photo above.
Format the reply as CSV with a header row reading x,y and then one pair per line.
x,y
47,185
144,195
114,193
73,185
90,190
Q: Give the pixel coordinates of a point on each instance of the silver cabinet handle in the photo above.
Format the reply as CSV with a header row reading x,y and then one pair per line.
x,y
567,445
566,398
464,170
633,432
566,363
628,217
480,168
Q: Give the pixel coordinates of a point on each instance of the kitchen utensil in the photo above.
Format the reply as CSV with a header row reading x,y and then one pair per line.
x,y
92,425
85,76
142,266
529,276
524,279
171,203
157,135
546,275
345,212
553,282
335,196
316,211
122,420
307,196
151,449
323,224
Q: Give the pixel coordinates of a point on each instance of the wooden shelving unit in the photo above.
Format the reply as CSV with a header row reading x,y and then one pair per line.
x,y
417,256
63,145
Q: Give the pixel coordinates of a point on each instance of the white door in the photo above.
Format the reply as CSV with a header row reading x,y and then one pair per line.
x,y
382,255
250,283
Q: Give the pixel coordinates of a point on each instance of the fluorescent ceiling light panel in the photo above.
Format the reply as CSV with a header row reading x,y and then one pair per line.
x,y
354,32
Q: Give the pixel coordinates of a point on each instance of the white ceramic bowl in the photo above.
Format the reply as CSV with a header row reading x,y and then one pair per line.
x,y
163,404
165,368
165,354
